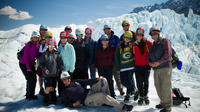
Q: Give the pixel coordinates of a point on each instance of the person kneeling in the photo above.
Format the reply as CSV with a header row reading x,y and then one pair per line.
x,y
75,95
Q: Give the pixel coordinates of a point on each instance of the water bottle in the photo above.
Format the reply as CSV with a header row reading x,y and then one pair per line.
x,y
179,66
102,84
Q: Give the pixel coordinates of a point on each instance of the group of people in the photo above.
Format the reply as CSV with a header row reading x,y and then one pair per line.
x,y
66,65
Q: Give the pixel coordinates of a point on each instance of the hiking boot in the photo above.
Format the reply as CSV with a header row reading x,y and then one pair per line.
x,y
165,110
159,106
127,107
122,93
126,98
52,98
146,100
140,101
41,91
31,97
45,101
136,95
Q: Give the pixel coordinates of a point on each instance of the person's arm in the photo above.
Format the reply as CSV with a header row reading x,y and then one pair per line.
x,y
73,59
42,62
85,82
117,58
60,63
25,56
167,47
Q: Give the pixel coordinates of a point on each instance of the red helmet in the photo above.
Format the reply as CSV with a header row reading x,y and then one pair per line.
x,y
52,42
88,30
153,28
140,31
68,28
63,34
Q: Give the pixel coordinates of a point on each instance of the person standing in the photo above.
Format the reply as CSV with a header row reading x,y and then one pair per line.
x,y
142,69
92,45
126,26
124,63
82,54
27,65
104,61
68,56
159,59
113,41
50,63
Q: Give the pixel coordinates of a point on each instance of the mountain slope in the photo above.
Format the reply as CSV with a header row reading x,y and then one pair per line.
x,y
179,6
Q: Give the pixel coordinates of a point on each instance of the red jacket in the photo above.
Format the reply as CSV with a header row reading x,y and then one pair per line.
x,y
104,57
141,60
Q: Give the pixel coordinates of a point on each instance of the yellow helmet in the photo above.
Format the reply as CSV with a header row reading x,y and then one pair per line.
x,y
49,34
125,22
128,34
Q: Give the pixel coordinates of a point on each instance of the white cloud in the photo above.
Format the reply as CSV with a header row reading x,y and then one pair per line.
x,y
8,10
21,15
14,14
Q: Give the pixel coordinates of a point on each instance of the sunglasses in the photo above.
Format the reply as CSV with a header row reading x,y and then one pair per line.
x,y
66,79
51,46
48,37
152,34
63,37
78,34
125,25
104,40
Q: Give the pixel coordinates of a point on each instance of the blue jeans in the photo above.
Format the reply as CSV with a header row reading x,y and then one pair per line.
x,y
108,74
127,80
92,72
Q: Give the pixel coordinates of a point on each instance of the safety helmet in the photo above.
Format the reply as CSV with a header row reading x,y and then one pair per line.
x,y
35,33
88,30
103,36
52,42
125,22
153,28
49,34
140,31
128,34
71,35
43,27
68,28
63,34
64,75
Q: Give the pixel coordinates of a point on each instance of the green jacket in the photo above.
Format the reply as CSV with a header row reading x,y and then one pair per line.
x,y
124,59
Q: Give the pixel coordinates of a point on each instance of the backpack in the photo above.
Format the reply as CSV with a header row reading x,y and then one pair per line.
x,y
20,53
178,98
174,57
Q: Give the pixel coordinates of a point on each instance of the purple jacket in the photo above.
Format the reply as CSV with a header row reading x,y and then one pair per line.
x,y
31,51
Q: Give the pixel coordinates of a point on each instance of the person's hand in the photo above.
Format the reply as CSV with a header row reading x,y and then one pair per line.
x,y
76,104
118,72
28,70
100,77
47,72
156,64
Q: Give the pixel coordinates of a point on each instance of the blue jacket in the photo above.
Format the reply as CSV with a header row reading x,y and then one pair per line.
x,y
68,56
92,49
113,40
76,91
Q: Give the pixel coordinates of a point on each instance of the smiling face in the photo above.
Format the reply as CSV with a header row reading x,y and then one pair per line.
x,y
125,27
66,81
155,35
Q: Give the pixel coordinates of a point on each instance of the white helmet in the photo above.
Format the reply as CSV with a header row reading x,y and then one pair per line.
x,y
64,75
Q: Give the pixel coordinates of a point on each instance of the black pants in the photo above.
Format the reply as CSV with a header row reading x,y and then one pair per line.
x,y
108,74
30,79
80,73
142,78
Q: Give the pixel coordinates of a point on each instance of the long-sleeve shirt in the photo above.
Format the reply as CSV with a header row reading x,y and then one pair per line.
x,y
31,52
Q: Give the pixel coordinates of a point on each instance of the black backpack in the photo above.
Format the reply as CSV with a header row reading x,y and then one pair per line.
x,y
178,98
20,53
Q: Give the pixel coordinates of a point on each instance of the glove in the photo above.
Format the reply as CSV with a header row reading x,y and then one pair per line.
x,y
179,66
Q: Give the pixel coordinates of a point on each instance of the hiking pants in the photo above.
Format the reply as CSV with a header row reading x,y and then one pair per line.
x,y
127,80
162,82
142,79
98,96
107,73
31,79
